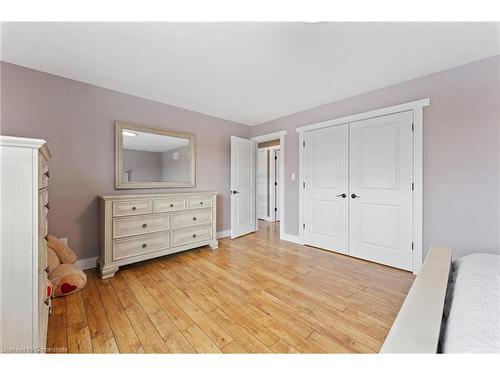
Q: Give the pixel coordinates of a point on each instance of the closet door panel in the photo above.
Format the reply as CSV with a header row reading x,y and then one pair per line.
x,y
326,177
380,179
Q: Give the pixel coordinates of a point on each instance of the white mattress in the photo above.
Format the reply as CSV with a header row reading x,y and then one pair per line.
x,y
472,324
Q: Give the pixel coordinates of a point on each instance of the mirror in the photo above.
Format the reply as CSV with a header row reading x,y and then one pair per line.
x,y
147,157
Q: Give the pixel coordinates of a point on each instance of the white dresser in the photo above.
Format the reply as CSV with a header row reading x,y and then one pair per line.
x,y
139,227
23,256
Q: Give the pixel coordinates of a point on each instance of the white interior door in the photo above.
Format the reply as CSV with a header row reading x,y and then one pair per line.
x,y
262,184
277,184
243,218
325,171
380,195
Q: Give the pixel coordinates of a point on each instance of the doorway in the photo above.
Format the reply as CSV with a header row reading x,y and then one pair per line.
x,y
268,182
244,159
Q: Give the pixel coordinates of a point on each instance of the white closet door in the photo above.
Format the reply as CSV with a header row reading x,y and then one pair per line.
x,y
325,169
380,193
243,155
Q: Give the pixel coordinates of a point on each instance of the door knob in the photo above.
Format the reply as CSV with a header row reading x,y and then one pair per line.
x,y
353,196
234,192
343,195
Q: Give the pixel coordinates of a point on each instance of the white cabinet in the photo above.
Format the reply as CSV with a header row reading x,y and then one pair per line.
x,y
139,227
23,263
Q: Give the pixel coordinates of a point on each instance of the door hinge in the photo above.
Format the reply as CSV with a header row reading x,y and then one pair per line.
x,y
412,246
303,143
275,209
412,186
303,225
275,158
412,127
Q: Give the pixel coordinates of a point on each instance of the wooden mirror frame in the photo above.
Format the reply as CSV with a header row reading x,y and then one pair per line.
x,y
120,184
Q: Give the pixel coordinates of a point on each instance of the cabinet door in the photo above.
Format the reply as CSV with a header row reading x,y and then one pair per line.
x,y
380,189
325,171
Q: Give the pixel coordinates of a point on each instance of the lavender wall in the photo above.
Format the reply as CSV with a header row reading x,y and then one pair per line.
x,y
461,152
178,169
143,165
76,120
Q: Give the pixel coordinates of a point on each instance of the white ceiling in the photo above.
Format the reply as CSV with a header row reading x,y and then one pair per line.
x,y
246,72
152,142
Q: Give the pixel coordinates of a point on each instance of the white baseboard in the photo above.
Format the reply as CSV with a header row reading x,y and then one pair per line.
x,y
267,218
85,264
82,264
224,233
290,238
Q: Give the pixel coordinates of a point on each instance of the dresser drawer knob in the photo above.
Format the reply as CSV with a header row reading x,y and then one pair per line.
x,y
194,218
144,225
47,206
194,235
47,301
47,237
134,208
47,173
171,205
47,269
201,202
144,245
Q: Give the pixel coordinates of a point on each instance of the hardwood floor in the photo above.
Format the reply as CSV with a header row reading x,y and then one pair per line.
x,y
255,294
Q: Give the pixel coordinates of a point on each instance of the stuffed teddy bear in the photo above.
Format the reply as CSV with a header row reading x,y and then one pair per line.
x,y
65,278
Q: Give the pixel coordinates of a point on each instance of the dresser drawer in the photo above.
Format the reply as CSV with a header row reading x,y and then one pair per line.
x,y
43,208
172,204
191,217
127,248
139,225
199,201
43,172
190,235
126,208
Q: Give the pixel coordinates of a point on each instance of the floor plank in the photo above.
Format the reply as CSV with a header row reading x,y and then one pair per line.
x,y
150,339
79,340
255,294
105,344
57,339
94,309
125,336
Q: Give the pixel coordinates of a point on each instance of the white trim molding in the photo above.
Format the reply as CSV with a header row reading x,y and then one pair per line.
x,y
291,238
223,234
271,137
86,264
268,218
417,107
410,106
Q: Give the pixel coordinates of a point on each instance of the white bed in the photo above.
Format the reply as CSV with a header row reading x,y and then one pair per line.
x,y
451,307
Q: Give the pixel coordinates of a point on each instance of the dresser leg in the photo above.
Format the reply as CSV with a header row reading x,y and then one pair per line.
x,y
107,272
214,245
